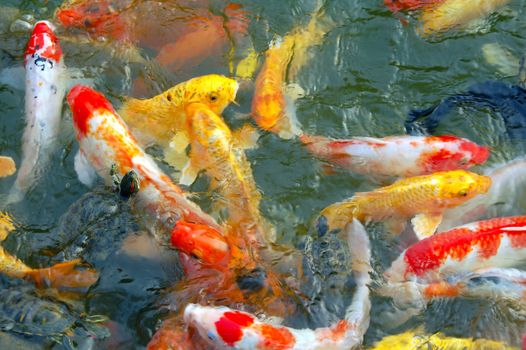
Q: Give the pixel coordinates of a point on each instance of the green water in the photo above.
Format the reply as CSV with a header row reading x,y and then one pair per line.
x,y
369,72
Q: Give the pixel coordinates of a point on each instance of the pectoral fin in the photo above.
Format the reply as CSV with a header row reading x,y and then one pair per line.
x,y
425,225
189,174
246,137
85,171
175,153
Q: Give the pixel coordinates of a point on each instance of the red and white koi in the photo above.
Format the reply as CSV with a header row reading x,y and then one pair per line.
x,y
494,243
106,142
400,156
45,89
224,327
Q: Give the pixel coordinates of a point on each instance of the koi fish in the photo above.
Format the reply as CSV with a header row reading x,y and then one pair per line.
x,y
504,195
61,275
273,106
7,166
456,13
107,146
45,91
162,119
497,243
225,327
214,150
400,5
422,198
417,339
401,156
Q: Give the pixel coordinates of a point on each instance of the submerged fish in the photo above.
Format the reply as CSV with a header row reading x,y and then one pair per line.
x,y
417,339
422,198
499,242
7,166
228,328
401,156
61,275
162,119
455,13
45,89
399,5
215,151
106,144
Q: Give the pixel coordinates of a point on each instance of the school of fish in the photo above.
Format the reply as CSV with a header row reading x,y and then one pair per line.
x,y
240,282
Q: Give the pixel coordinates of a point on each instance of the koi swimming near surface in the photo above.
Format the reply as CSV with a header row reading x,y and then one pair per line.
x,y
106,144
45,89
422,198
224,327
400,156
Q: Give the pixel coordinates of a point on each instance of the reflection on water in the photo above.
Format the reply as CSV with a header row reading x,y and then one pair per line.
x,y
361,79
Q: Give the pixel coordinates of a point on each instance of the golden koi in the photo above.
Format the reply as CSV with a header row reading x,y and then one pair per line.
x,y
7,166
214,150
60,275
456,13
423,198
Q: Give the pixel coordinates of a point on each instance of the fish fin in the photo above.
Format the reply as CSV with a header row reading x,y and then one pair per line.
x,y
189,173
247,66
425,225
293,91
85,171
64,275
246,137
13,77
289,125
175,152
7,166
395,226
6,226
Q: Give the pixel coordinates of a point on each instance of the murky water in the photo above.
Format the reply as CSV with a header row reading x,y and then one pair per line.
x,y
370,70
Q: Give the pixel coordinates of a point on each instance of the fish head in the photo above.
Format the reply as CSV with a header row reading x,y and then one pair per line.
x,y
458,186
214,91
43,43
201,241
85,104
220,326
453,153
474,154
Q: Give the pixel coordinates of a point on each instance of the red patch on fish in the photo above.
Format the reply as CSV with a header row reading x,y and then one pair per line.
x,y
398,5
430,253
44,41
230,326
278,338
84,101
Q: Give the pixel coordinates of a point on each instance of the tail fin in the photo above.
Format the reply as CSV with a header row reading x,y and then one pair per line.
x,y
64,275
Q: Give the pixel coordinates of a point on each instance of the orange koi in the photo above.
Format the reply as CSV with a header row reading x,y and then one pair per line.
x,y
7,166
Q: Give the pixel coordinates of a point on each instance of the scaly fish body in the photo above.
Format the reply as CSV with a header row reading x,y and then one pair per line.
x,y
419,340
497,243
399,5
224,327
214,150
45,89
105,141
401,156
425,195
455,13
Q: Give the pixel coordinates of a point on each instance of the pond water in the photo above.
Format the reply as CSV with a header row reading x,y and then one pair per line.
x,y
370,70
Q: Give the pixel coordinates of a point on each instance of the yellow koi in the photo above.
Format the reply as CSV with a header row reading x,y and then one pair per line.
x,y
422,198
59,275
215,150
7,166
456,13
416,340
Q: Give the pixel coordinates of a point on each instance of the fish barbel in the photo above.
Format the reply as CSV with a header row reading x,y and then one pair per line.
x,y
214,150
400,156
455,13
105,142
224,327
61,275
422,198
45,89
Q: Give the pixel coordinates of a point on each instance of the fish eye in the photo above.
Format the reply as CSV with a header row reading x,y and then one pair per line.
x,y
87,23
463,193
213,97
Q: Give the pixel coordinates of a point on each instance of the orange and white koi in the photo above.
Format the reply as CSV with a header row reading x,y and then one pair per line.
x,y
494,243
45,89
215,150
451,14
503,197
224,327
105,141
422,198
400,156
